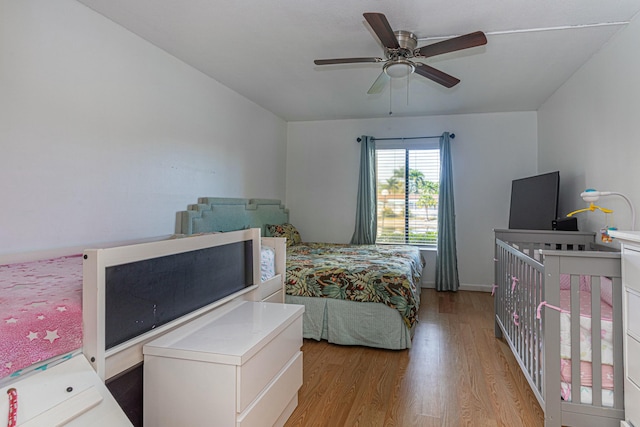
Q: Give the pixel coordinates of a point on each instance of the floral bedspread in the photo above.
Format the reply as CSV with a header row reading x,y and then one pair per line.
x,y
387,274
40,313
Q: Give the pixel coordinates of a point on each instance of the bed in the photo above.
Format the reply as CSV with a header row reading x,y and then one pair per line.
x,y
558,305
353,294
105,304
41,314
42,303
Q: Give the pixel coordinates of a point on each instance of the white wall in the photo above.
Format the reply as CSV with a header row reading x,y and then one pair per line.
x,y
489,151
104,137
590,131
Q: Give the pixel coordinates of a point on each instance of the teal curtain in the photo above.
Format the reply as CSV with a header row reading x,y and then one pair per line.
x,y
366,219
446,258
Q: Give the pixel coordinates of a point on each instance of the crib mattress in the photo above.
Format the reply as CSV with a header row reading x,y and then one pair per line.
x,y
586,349
606,325
586,395
41,314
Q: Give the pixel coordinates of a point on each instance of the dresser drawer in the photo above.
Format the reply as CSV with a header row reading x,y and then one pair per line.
x,y
631,268
257,372
270,286
633,361
270,404
632,409
275,297
632,310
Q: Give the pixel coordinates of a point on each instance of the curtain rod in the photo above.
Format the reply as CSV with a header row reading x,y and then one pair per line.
x,y
451,135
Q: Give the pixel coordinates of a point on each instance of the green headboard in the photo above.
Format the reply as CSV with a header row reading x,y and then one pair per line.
x,y
227,214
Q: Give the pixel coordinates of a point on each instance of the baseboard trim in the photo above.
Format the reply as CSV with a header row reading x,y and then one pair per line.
x,y
475,287
463,287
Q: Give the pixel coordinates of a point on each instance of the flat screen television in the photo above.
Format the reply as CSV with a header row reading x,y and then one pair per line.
x,y
534,202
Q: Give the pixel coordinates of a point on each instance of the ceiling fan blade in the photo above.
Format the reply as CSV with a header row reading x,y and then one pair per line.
x,y
437,76
379,84
451,45
345,61
383,30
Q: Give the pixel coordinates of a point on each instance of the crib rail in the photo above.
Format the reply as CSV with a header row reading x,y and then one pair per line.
x,y
518,293
594,266
528,269
530,241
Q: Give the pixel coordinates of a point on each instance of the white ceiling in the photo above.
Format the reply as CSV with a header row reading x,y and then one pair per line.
x,y
264,50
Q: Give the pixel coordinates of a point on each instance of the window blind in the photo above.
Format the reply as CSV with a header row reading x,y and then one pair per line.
x,y
407,195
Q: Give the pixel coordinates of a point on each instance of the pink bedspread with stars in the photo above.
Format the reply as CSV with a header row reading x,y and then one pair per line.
x,y
40,312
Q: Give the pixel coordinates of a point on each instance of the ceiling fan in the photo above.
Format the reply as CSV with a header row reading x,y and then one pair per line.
x,y
400,49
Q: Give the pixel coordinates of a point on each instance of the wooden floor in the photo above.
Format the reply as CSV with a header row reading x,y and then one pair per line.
x,y
456,374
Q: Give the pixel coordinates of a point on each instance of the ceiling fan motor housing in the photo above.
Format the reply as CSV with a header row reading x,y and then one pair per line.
x,y
399,65
408,43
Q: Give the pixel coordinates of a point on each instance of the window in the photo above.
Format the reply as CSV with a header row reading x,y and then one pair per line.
x,y
407,203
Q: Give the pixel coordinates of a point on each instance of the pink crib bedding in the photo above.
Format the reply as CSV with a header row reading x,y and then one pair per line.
x,y
40,314
586,374
606,322
586,348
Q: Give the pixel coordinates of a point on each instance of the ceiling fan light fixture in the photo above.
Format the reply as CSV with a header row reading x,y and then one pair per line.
x,y
398,69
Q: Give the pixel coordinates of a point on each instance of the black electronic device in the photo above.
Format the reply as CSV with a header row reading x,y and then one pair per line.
x,y
534,202
565,224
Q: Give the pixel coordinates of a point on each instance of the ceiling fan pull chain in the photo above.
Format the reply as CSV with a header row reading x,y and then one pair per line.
x,y
390,90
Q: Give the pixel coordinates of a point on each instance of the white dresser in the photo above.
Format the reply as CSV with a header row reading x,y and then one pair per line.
x,y
238,366
630,241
